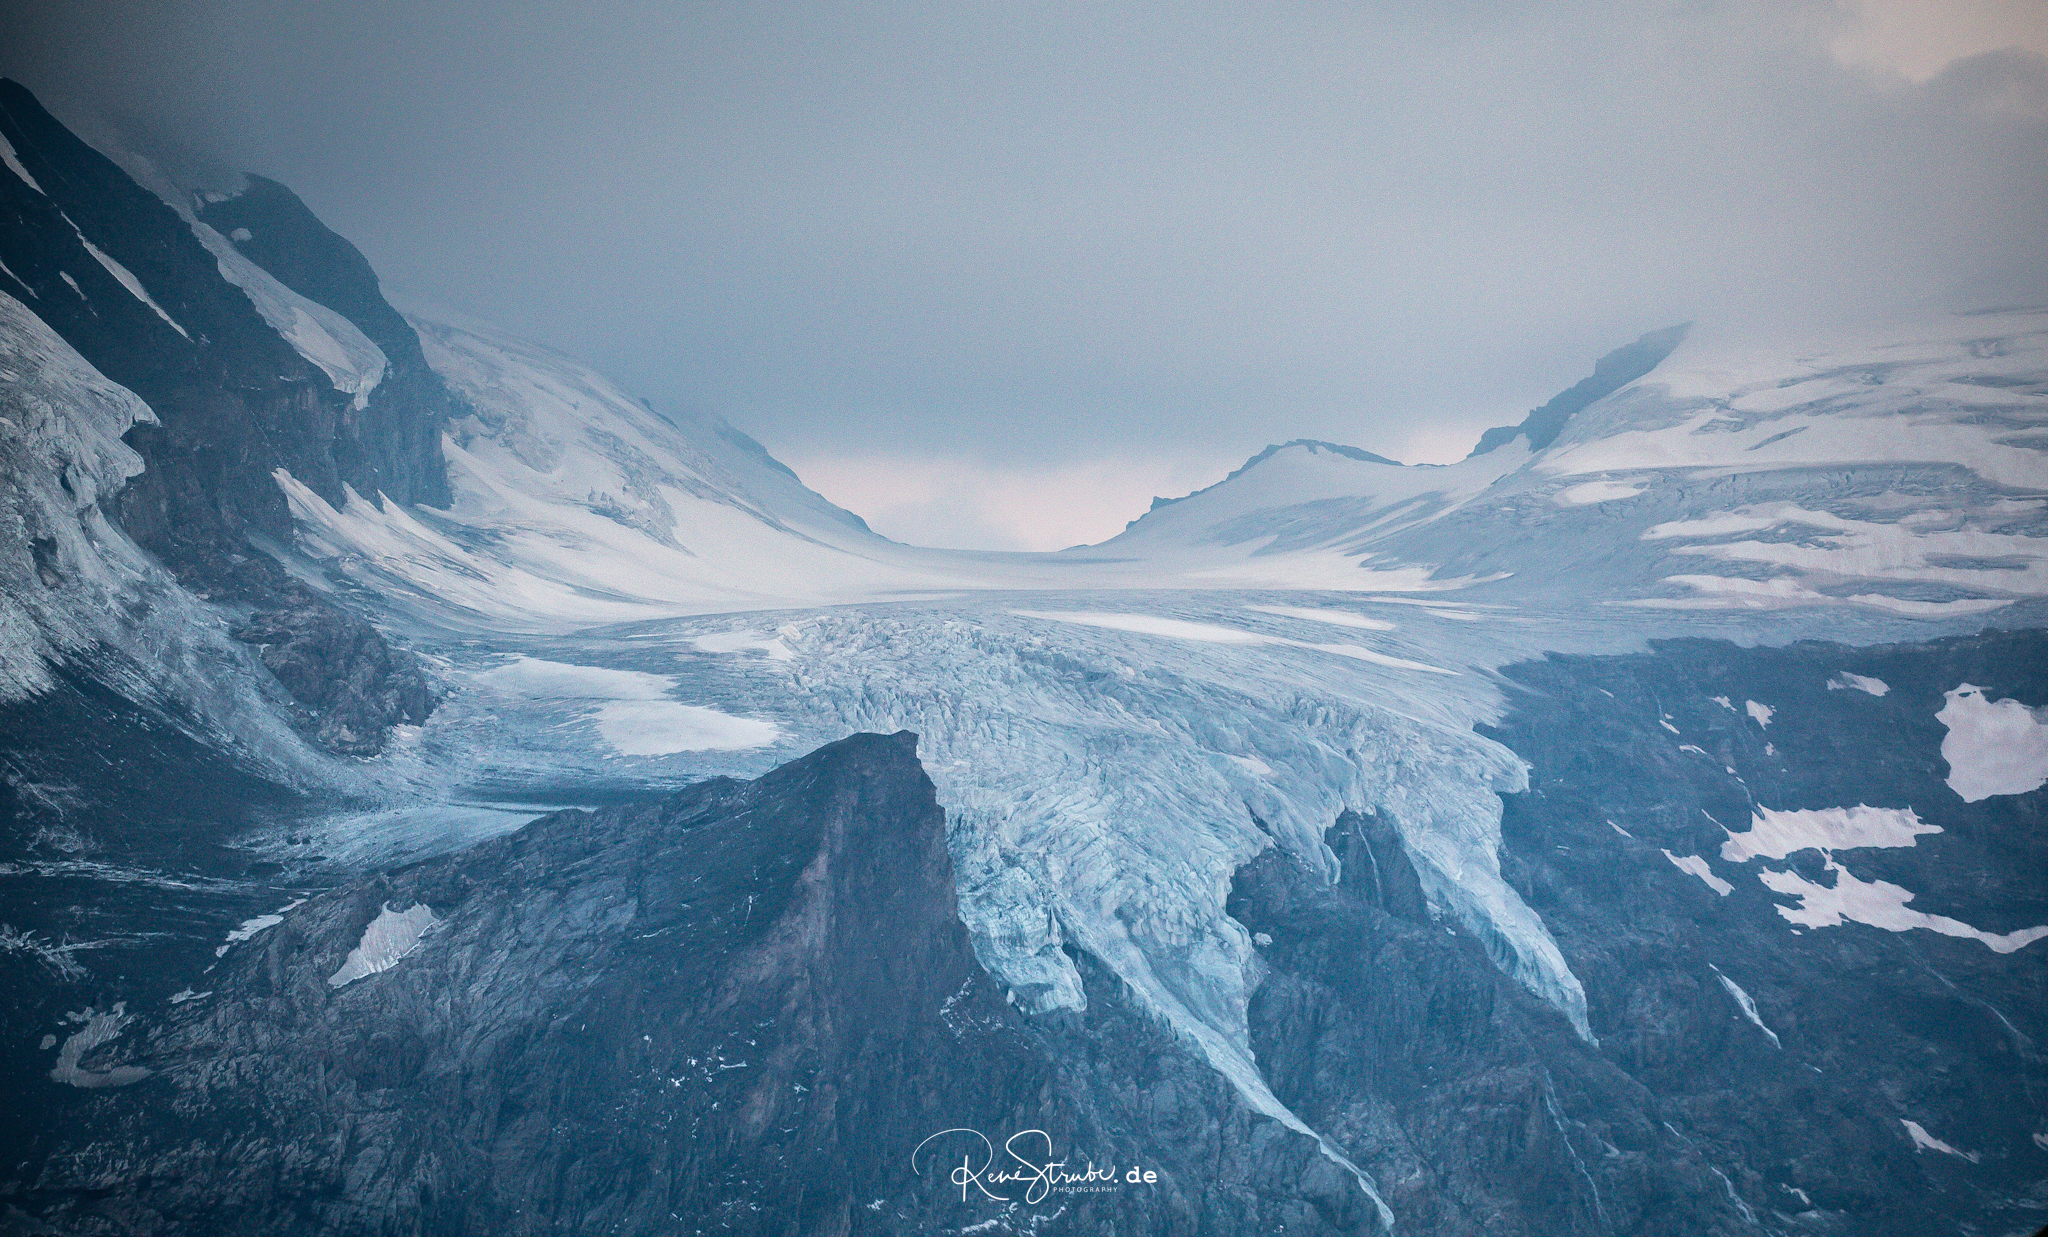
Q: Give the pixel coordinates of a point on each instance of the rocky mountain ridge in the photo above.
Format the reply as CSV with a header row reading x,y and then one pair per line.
x,y
129,282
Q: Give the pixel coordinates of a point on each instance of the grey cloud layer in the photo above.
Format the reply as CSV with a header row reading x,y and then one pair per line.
x,y
1040,232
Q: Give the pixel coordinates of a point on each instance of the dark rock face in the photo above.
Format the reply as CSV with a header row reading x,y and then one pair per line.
x,y
235,400
1610,374
1477,1108
354,686
739,1009
743,1008
1475,1105
1873,1028
117,869
398,444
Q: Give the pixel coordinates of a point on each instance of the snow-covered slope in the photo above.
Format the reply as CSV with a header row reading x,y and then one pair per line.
x,y
575,504
66,569
623,599
1903,472
74,588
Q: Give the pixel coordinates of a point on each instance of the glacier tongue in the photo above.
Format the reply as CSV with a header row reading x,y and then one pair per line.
x,y
1104,790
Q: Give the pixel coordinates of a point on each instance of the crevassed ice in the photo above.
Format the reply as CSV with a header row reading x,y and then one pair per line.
x,y
1104,791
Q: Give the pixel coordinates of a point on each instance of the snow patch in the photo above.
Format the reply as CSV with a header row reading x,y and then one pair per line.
x,y
1336,618
1740,593
1697,867
128,280
1152,625
1993,747
1879,904
1761,712
1743,1002
1589,492
633,710
387,941
13,163
1774,834
1210,633
250,927
1361,653
1924,1141
99,1029
1858,682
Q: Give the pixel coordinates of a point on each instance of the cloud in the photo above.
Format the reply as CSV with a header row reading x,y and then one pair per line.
x,y
1920,38
1117,233
967,503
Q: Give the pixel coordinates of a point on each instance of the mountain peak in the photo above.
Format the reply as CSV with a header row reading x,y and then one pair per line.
x,y
1313,445
1610,374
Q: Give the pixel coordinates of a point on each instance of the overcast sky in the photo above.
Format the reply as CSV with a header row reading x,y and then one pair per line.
x,y
995,274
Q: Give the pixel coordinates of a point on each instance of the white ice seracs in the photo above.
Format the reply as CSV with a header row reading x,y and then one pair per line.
x,y
1114,730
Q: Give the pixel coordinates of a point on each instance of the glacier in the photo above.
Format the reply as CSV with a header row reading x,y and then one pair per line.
x,y
621,600
1114,730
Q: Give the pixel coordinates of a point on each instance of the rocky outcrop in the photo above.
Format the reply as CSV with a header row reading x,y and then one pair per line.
x,y
1610,374
353,685
744,1008
131,285
1794,1055
397,443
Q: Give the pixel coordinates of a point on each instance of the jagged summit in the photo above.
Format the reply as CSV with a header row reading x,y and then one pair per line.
x,y
1610,373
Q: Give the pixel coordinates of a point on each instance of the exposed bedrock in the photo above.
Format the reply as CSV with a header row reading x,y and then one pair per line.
x,y
744,1006
739,1009
241,381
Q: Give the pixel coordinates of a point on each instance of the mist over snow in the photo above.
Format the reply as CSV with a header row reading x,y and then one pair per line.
x,y
996,280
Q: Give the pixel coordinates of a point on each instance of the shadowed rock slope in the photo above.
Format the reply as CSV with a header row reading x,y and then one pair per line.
x,y
739,1009
128,282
